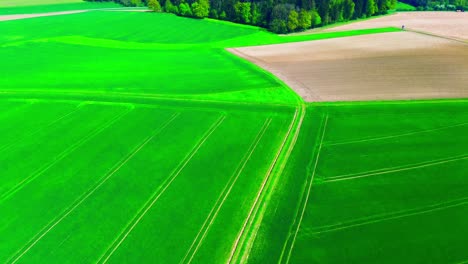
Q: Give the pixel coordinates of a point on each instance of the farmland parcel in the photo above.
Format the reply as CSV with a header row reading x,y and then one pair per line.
x,y
135,137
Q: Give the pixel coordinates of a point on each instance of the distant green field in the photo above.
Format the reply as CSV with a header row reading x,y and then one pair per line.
x,y
32,7
146,54
135,137
404,7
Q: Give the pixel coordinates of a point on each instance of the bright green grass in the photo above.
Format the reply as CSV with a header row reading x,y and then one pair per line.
x,y
389,186
404,7
9,7
135,137
145,54
132,143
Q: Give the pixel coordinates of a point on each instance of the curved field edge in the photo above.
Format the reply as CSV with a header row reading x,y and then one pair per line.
x,y
289,153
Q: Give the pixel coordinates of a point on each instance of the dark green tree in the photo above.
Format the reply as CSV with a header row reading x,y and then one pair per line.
x,y
201,8
154,5
185,10
304,19
293,20
242,12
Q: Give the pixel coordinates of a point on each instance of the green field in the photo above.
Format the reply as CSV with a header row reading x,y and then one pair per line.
x,y
135,137
43,6
386,184
400,6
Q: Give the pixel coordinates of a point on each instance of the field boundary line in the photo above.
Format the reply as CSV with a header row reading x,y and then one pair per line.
x,y
225,193
390,216
158,193
395,169
119,95
15,141
247,219
394,136
257,221
308,190
304,188
299,88
437,36
251,218
114,169
61,156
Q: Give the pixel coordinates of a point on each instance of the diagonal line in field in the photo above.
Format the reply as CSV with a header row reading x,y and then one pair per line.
x,y
15,142
159,192
61,156
129,96
198,241
390,216
249,220
36,238
394,136
396,169
307,195
266,196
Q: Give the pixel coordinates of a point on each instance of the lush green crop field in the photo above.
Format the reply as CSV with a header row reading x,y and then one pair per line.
x,y
145,54
400,6
121,176
135,137
384,183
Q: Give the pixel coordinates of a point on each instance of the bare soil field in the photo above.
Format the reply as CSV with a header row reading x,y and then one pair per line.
x,y
388,66
447,24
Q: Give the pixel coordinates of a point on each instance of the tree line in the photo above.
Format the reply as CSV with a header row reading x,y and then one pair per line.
x,y
279,16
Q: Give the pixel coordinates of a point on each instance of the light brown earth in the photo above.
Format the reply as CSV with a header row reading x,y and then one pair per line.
x,y
24,16
448,24
399,65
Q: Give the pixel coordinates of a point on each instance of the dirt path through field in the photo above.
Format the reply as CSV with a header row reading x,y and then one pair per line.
x,y
388,66
24,16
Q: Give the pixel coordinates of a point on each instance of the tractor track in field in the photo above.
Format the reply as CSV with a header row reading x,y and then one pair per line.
x,y
159,192
28,135
395,169
305,197
387,217
329,144
243,244
224,194
122,98
62,156
44,231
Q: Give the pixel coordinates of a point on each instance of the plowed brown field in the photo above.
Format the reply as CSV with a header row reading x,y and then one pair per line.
x,y
401,65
